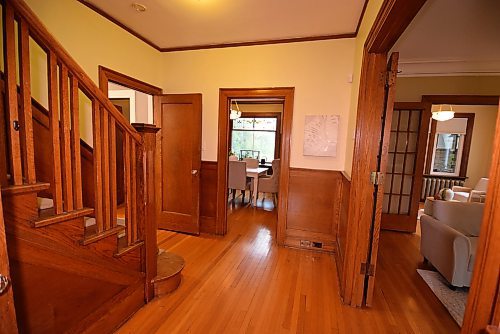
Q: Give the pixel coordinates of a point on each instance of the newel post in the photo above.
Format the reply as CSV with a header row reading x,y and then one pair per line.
x,y
146,206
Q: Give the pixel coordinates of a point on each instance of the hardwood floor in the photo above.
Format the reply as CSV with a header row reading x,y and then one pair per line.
x,y
244,283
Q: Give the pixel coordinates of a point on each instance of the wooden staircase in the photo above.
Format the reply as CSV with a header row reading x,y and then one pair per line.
x,y
77,263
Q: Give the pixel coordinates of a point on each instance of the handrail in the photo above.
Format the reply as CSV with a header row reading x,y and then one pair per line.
x,y
45,39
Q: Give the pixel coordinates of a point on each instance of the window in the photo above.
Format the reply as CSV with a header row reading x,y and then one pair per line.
x,y
254,137
447,154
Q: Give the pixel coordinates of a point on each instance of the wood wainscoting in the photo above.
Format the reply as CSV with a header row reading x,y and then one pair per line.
x,y
343,217
208,197
314,207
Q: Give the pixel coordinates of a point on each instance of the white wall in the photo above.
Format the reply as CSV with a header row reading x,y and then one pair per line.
x,y
319,71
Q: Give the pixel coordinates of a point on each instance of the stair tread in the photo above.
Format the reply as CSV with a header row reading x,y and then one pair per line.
x,y
25,188
91,235
169,264
48,217
123,248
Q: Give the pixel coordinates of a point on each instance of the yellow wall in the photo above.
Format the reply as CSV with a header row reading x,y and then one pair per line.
x,y
91,40
319,71
411,89
369,17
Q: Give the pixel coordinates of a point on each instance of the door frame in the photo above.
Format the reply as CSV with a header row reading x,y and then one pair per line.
x,y
391,21
106,75
225,97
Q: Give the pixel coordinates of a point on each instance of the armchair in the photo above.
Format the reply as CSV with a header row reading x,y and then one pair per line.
x,y
450,231
465,194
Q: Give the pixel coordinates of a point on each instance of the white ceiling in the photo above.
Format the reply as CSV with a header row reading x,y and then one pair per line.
x,y
186,23
452,37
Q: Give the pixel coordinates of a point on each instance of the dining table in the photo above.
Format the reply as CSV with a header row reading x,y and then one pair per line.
x,y
254,173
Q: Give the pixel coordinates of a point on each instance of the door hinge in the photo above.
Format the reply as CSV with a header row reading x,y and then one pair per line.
x,y
390,78
368,270
376,178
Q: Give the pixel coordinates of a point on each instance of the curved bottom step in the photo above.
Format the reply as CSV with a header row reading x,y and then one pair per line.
x,y
169,272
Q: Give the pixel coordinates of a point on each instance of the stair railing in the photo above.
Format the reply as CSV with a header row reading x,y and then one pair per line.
x,y
65,79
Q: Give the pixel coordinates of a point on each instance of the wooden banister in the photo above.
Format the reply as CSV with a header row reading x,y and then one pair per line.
x,y
45,39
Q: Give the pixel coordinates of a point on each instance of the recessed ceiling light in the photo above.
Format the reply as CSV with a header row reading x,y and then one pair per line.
x,y
139,7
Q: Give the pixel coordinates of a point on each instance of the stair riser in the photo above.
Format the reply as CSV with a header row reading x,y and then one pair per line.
x,y
21,208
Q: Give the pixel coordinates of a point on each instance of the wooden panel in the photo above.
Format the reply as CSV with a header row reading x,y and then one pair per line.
x,y
313,203
4,151
208,196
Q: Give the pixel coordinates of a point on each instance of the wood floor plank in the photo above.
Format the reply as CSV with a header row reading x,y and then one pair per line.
x,y
244,283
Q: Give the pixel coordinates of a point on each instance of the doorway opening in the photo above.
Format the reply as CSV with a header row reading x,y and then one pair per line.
x,y
134,99
394,17
254,141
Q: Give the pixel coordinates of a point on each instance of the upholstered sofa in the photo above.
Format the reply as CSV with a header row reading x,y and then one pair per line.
x,y
450,231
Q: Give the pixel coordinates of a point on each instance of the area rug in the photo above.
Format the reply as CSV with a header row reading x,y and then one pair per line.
x,y
453,300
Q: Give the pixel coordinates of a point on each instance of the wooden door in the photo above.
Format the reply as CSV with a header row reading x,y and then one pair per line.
x,y
371,262
8,322
178,161
405,166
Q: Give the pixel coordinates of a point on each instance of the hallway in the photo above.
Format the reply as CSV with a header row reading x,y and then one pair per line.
x,y
244,283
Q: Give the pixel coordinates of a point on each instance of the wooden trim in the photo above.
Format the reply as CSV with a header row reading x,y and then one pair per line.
x,y
481,302
106,75
262,42
225,97
118,23
467,143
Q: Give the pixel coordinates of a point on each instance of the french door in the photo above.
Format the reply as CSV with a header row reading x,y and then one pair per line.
x,y
405,166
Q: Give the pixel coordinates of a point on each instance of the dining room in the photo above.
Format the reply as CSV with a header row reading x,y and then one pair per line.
x,y
255,130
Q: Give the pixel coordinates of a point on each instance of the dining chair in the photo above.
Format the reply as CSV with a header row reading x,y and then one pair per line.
x,y
237,179
271,184
251,163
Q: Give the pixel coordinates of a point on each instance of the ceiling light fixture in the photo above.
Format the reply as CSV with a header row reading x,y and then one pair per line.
x,y
235,114
443,114
139,7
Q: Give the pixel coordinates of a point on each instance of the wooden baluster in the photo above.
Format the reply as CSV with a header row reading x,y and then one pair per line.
x,y
11,95
128,190
96,118
105,168
67,172
25,111
112,166
54,130
133,180
75,144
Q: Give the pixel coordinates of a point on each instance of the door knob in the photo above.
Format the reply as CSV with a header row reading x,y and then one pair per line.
x,y
194,172
4,283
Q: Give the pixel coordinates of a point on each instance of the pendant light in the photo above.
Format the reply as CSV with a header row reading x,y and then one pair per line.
x,y
443,114
235,114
